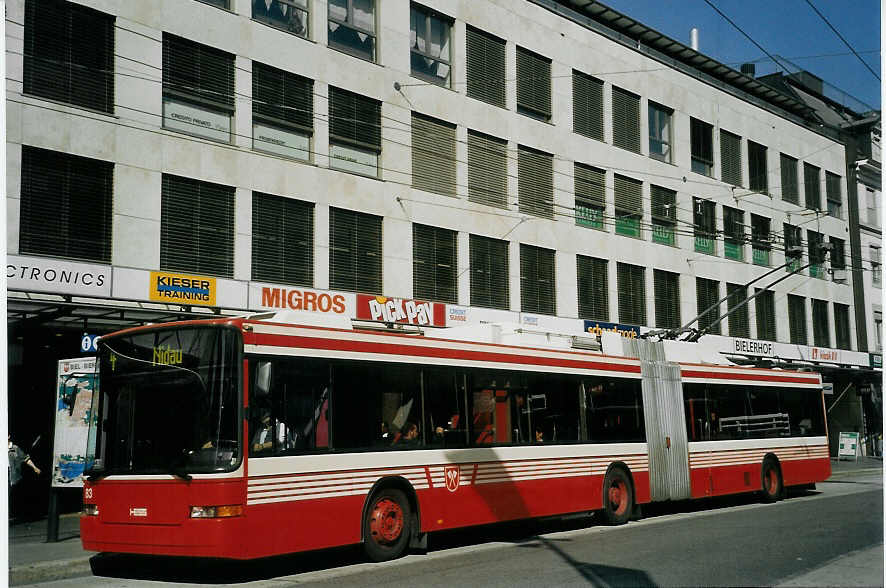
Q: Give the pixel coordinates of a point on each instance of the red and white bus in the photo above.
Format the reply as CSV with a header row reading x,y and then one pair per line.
x,y
245,438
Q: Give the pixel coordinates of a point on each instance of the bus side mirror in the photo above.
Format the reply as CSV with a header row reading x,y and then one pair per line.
x,y
263,378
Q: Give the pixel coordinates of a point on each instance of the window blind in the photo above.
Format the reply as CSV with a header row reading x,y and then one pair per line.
x,y
667,299
487,170
485,67
628,204
821,332
537,286
489,272
433,155
701,146
535,182
533,84
704,218
66,205
797,319
625,120
758,170
593,288
812,187
631,283
590,196
282,240
730,158
841,326
707,294
739,325
832,190
765,310
587,105
790,191
355,251
198,73
434,262
354,119
282,98
838,253
197,227
69,54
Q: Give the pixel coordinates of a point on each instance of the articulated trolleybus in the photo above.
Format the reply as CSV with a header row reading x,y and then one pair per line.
x,y
245,438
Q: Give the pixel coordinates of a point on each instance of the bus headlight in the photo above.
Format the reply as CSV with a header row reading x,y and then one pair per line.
x,y
216,512
90,510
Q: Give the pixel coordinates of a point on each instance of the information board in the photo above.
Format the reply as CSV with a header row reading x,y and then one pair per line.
x,y
848,445
73,410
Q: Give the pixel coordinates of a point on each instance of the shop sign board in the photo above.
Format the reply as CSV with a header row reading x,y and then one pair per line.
x,y
275,297
848,444
753,347
401,310
35,274
457,316
183,116
876,360
544,322
598,327
182,289
72,442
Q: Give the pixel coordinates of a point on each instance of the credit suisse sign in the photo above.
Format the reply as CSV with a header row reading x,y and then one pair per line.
x,y
401,310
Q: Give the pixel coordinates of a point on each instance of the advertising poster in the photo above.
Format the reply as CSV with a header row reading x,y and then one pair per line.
x,y
73,410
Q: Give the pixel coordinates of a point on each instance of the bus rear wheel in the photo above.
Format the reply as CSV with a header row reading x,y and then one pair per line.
x,y
771,479
387,525
618,497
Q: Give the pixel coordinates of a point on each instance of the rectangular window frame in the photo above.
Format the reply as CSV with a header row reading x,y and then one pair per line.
x,y
834,195
704,222
667,299
761,240
590,196
351,138
733,233
533,85
701,143
538,272
758,167
349,24
821,327
625,120
797,319
434,162
587,106
593,288
356,257
628,206
790,184
283,238
730,158
434,263
490,277
535,182
664,215
417,55
292,120
485,72
296,22
812,186
631,284
661,132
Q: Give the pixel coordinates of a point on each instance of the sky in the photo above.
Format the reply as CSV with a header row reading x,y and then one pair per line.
x,y
785,29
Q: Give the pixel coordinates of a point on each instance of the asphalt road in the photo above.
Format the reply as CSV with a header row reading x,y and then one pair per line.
x,y
725,542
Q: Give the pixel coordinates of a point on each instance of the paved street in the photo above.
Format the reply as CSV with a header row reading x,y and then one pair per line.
x,y
833,536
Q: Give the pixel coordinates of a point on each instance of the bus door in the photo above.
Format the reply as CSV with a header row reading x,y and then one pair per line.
x,y
665,422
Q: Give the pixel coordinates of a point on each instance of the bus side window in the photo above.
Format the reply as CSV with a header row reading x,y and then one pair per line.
x,y
444,408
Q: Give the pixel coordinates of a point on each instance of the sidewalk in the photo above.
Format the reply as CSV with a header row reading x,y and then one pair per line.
x,y
33,560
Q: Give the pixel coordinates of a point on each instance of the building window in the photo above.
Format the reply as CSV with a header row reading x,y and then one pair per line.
x,y
873,208
761,239
730,158
282,112
821,332
701,138
535,182
355,251
587,105
219,3
430,49
737,307
765,308
288,15
533,84
631,294
660,134
667,299
66,205
593,288
590,196
537,285
705,225
352,27
797,319
282,240
69,54
790,186
485,67
487,170
625,120
841,326
628,206
198,89
758,169
354,132
817,254
433,155
489,273
434,260
196,227
838,259
878,329
664,215
835,198
733,232
707,294
812,187
876,266
793,247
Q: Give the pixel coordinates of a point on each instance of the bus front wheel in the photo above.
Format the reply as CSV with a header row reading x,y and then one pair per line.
x,y
387,525
618,497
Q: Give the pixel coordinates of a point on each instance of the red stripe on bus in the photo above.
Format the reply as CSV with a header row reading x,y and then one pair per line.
x,y
401,349
726,375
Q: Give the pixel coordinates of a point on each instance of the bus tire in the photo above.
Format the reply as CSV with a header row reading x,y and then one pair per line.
x,y
618,497
387,525
772,484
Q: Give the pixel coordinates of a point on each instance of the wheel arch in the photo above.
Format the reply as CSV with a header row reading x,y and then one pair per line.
x,y
620,465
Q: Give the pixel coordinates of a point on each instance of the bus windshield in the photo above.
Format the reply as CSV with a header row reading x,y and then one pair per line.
x,y
169,403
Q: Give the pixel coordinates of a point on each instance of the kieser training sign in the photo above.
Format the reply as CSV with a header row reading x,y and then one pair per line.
x,y
401,310
73,411
182,289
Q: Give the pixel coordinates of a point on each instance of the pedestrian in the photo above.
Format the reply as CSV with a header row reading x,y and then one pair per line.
x,y
17,457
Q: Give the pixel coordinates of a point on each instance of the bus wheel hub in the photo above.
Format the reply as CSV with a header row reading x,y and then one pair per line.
x,y
386,522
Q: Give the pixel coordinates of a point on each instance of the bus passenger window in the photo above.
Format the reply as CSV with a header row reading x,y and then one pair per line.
x,y
444,408
614,410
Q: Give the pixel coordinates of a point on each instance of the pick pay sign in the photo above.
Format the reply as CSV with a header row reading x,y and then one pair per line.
x,y
401,310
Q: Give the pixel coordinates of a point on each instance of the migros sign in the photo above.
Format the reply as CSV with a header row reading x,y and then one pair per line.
x,y
297,299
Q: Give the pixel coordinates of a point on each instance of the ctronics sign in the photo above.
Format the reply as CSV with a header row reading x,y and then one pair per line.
x,y
36,274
